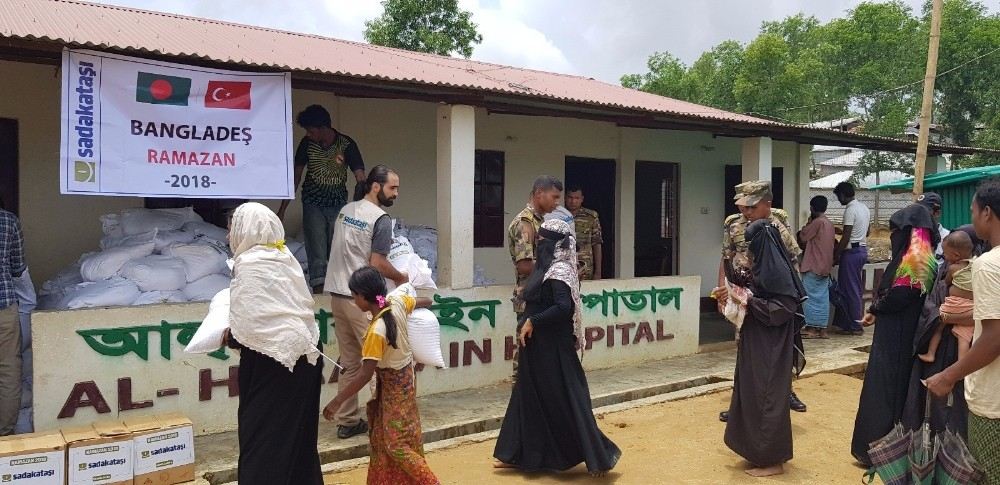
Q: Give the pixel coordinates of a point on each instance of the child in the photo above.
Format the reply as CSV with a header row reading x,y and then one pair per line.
x,y
397,452
956,311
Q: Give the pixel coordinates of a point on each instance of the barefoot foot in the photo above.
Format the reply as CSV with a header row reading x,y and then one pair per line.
x,y
500,464
766,471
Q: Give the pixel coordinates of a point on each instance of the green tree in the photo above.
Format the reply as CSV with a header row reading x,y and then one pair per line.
x,y
874,162
433,26
665,77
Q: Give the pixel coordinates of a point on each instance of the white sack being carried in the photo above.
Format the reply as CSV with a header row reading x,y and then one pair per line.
x,y
103,265
200,260
423,331
116,291
206,288
165,239
138,220
158,297
206,229
156,272
208,337
403,258
108,242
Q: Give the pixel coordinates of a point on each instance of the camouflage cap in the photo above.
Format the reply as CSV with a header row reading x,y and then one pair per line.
x,y
750,193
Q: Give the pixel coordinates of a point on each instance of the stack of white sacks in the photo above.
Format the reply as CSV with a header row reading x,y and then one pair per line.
x,y
147,256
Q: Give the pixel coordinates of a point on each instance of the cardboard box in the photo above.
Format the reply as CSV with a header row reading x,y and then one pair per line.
x,y
99,454
33,459
164,449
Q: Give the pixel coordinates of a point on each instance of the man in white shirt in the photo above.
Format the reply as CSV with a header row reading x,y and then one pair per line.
x,y
852,254
980,367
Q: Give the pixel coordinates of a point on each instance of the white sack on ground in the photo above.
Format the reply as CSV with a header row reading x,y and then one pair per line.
x,y
208,337
206,288
138,220
108,242
116,291
423,331
207,229
167,238
299,251
159,297
200,260
156,272
103,265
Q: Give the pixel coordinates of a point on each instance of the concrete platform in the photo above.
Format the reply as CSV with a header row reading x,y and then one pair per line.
x,y
472,413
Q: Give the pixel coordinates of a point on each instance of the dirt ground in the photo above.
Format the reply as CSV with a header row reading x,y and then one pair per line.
x,y
681,443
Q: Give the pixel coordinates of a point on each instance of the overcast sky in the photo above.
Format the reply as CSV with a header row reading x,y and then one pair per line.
x,y
597,38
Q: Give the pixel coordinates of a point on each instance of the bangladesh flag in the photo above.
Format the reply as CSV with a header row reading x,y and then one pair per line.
x,y
162,89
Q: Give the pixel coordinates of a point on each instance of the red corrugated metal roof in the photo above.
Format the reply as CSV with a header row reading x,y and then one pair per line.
x,y
111,27
126,28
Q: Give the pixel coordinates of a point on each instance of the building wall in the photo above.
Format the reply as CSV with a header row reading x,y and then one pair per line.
x,y
58,228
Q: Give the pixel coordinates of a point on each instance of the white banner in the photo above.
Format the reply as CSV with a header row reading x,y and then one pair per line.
x,y
145,128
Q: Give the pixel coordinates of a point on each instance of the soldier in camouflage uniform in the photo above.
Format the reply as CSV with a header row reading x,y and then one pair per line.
x,y
522,234
754,201
589,239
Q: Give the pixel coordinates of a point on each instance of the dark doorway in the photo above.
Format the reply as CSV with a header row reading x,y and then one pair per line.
x,y
657,197
734,175
596,176
8,164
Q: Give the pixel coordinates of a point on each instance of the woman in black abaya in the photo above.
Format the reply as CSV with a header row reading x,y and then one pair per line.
x,y
549,424
759,427
897,307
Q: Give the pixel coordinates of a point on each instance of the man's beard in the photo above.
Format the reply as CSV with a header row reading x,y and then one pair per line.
x,y
385,201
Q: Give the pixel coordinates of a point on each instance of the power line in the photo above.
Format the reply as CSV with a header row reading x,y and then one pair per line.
x,y
886,91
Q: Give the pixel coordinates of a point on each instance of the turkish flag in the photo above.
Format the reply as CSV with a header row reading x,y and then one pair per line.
x,y
228,94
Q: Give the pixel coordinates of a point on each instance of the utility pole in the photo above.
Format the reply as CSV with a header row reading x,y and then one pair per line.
x,y
927,104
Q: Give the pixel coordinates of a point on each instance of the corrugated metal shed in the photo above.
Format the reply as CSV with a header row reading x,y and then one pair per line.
x,y
956,188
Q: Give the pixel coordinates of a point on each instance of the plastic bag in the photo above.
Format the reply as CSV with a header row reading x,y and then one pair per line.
x,y
208,337
206,229
156,273
423,331
403,258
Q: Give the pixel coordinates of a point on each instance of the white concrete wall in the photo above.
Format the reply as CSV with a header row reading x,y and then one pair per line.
x,y
58,228
625,322
402,134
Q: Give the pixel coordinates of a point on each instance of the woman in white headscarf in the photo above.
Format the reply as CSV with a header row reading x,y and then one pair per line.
x,y
549,423
272,325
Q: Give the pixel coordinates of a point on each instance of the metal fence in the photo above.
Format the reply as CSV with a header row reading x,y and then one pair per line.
x,y
881,203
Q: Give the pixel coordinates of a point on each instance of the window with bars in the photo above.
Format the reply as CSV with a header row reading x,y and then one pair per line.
x,y
488,211
667,216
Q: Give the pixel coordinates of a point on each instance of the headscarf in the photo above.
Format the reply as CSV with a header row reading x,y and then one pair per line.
x,y
271,307
913,239
564,268
773,273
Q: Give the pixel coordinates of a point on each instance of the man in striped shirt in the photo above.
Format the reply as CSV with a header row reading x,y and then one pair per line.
x,y
12,265
329,159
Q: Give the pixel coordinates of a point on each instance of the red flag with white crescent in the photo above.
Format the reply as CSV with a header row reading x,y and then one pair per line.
x,y
228,94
